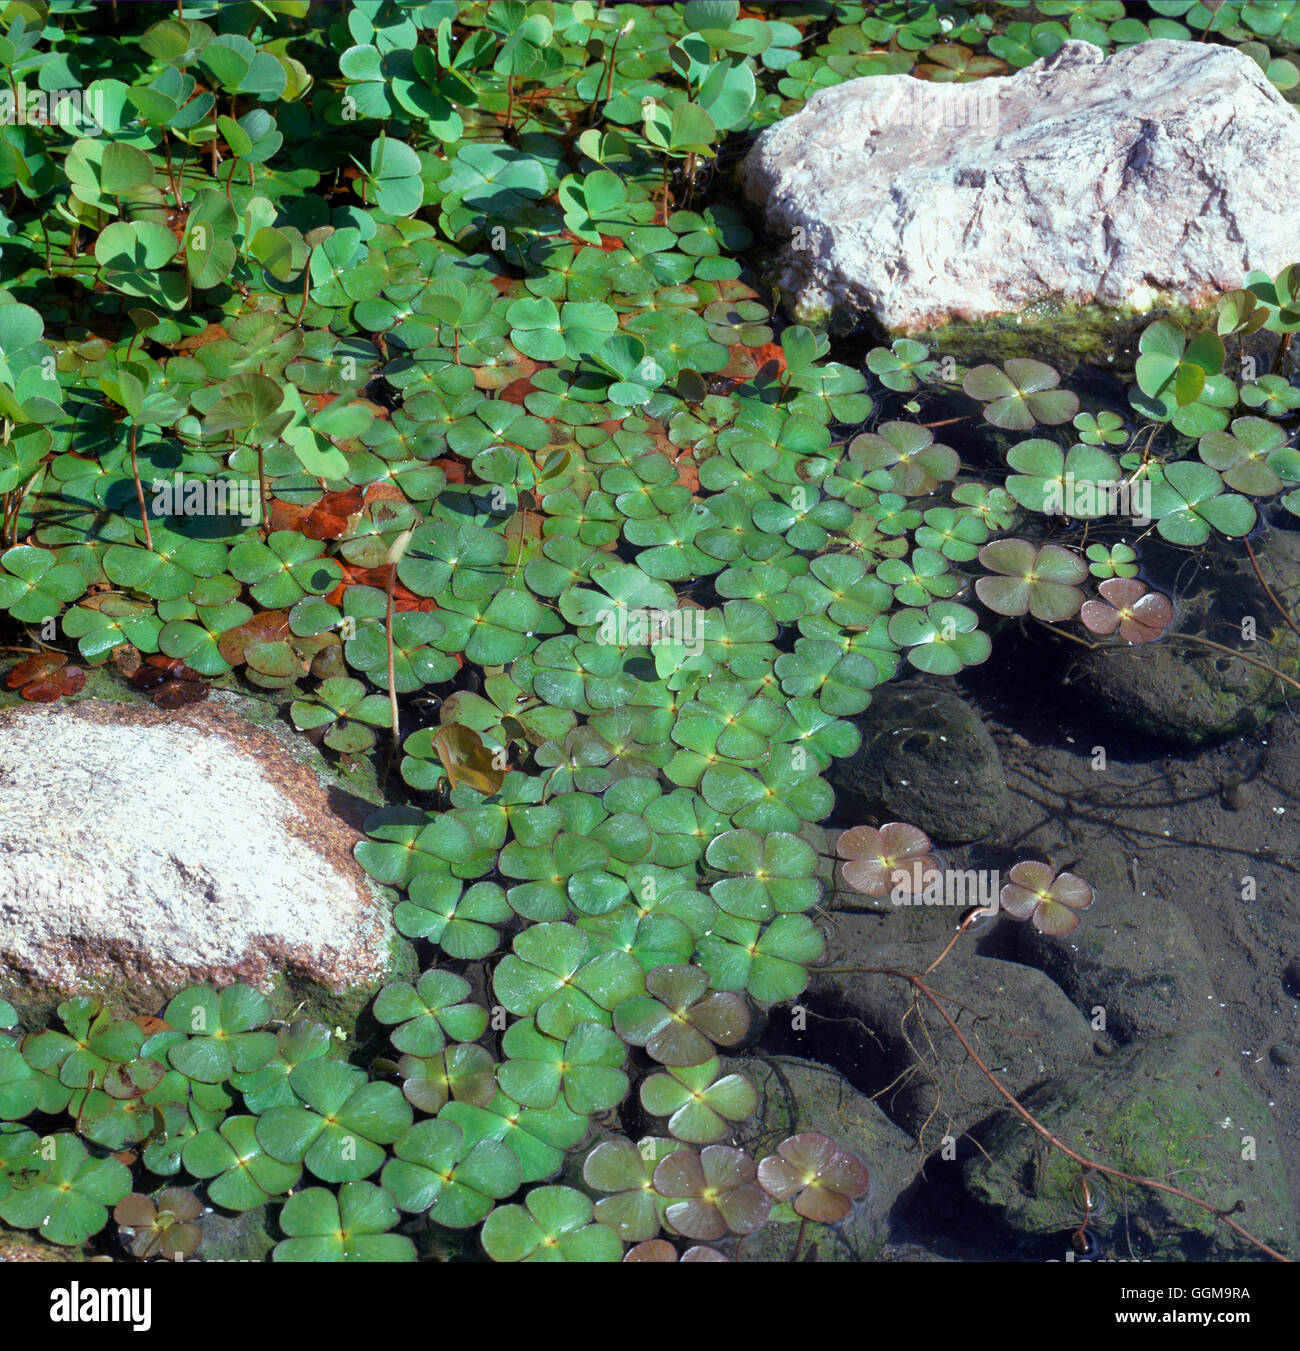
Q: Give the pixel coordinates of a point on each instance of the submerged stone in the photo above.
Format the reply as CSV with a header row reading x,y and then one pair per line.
x,y
1135,967
1077,188
1173,1109
800,1095
143,850
1187,695
1027,1027
927,759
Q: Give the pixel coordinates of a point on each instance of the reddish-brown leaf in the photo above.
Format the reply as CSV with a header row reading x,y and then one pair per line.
x,y
334,515
517,390
178,693
287,515
355,575
45,678
37,667
765,363
212,333
454,469
169,682
50,691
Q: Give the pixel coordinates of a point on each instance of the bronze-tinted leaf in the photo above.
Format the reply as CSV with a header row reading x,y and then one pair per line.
x,y
268,626
134,1211
652,1250
178,693
466,759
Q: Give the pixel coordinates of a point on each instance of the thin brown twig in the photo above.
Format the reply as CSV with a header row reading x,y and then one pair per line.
x,y
388,635
961,929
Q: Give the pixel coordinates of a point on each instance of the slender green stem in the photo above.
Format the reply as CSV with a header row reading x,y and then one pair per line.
x,y
306,287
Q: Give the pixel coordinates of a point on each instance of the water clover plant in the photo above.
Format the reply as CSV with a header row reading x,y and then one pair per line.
x,y
239,1172
68,1201
585,1069
878,860
1042,581
1254,457
1043,471
942,639
915,463
1273,395
625,1171
225,1036
1050,899
350,1226
555,1224
1181,380
813,1174
714,1192
698,1101
1020,394
1116,560
678,1020
433,1170
552,975
491,465
1127,607
1104,428
339,1123
165,1229
430,1011
1189,503
902,365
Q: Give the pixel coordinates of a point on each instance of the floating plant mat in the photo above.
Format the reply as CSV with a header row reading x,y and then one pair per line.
x,y
409,367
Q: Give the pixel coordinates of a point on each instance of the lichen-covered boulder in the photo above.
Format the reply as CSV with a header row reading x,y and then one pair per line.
x,y
143,850
1120,183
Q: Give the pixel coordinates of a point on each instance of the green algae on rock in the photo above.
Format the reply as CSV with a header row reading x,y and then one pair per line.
x,y
1137,959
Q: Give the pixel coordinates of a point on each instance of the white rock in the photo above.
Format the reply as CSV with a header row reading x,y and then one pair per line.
x,y
157,848
1155,175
